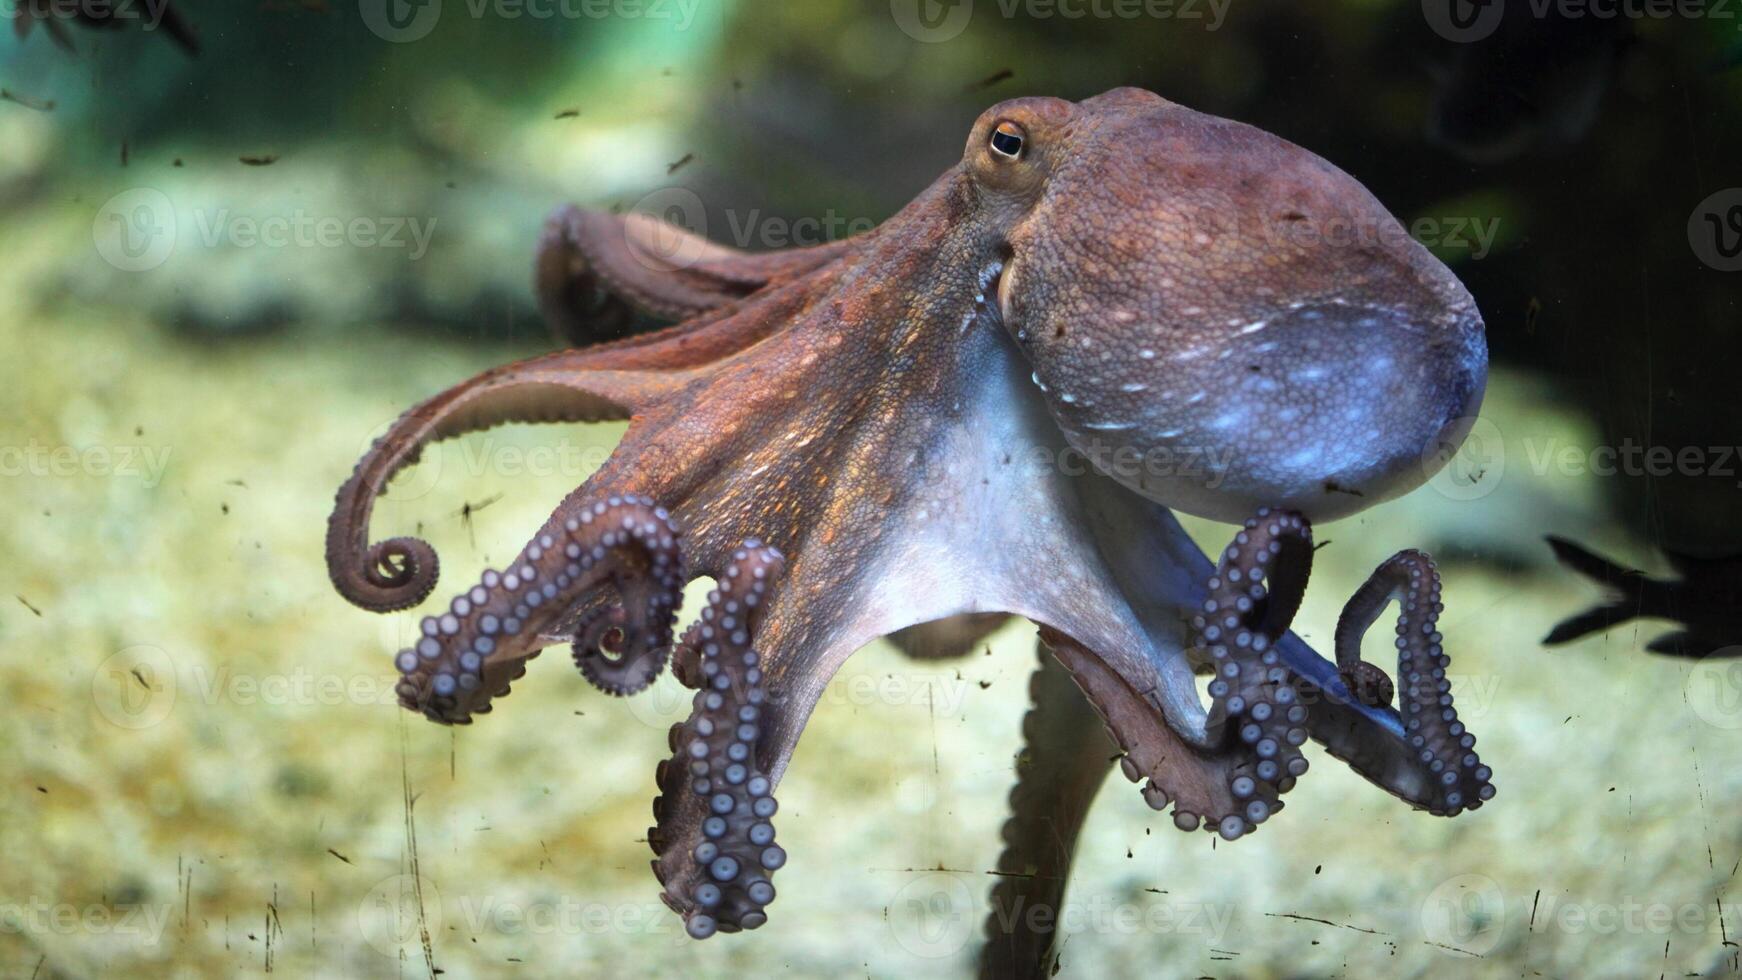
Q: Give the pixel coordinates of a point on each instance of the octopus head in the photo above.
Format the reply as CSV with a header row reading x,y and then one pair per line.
x,y
1220,319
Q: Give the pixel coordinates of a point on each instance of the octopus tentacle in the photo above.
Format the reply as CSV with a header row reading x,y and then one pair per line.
x,y
600,655
603,383
1233,783
1150,751
1430,722
596,271
1065,757
468,655
719,880
1239,625
399,573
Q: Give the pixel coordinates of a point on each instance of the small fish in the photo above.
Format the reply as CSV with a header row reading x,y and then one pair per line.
x,y
1707,599
681,162
258,159
569,114
1001,75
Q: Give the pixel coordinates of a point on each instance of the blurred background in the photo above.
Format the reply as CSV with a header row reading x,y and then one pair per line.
x,y
223,273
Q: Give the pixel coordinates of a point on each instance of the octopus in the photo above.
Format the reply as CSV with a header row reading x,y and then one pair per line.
x,y
991,405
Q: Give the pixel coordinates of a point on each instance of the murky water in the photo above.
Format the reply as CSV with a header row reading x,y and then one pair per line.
x,y
222,276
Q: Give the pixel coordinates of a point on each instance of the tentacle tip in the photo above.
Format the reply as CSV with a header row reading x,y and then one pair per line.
x,y
393,575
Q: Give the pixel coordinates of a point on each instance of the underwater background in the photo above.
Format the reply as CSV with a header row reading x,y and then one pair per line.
x,y
222,276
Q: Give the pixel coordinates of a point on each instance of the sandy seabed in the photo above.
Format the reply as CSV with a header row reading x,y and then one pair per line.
x,y
206,775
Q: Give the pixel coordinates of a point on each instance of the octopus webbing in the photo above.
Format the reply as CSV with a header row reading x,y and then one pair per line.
x,y
989,405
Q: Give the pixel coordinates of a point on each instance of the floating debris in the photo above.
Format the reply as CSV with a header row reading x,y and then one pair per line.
x,y
40,105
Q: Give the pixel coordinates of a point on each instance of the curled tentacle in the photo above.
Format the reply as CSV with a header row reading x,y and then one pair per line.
x,y
1430,722
718,879
1256,696
601,654
1239,626
469,654
396,574
607,382
401,572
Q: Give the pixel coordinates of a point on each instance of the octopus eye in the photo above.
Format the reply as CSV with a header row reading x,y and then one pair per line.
x,y
1007,140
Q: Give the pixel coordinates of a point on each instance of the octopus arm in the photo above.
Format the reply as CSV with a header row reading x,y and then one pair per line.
x,y
467,655
1064,760
977,508
1197,769
948,491
985,523
595,272
603,383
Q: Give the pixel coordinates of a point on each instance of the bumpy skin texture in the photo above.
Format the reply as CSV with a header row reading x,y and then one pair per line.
x,y
905,418
1271,311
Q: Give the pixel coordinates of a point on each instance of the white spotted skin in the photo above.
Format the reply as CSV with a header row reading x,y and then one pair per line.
x,y
1227,321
